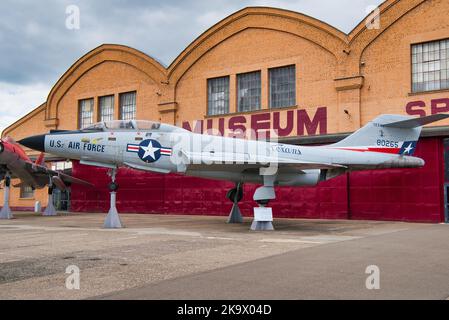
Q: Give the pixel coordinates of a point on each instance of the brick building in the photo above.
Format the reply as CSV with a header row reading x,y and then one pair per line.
x,y
266,68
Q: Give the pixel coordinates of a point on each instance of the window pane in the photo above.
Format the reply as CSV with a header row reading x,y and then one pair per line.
x,y
282,87
430,62
128,106
248,91
26,192
86,112
218,96
106,105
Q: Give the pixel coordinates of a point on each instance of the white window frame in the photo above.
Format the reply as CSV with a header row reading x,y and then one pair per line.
x,y
282,82
430,66
218,96
85,112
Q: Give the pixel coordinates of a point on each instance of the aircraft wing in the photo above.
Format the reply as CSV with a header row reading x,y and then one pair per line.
x,y
240,162
67,178
42,171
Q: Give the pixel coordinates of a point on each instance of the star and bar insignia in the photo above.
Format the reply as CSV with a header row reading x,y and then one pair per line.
x,y
149,150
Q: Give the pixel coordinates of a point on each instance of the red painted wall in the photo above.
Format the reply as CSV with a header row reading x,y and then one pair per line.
x,y
405,194
402,194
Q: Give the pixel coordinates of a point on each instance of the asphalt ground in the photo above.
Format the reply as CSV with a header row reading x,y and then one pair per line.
x,y
202,257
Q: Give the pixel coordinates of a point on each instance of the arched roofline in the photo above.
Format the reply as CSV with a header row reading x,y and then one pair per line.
x,y
181,63
23,119
105,52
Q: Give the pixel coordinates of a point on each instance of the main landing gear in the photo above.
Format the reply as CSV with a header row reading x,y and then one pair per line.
x,y
6,212
112,220
235,195
263,216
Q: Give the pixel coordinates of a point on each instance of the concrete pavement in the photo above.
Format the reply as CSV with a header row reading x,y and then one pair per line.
x,y
413,264
201,257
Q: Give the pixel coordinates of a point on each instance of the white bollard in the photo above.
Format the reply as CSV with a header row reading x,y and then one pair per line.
x,y
37,207
50,209
6,212
112,220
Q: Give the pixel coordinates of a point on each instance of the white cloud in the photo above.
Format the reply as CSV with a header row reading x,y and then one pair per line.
x,y
18,100
37,48
208,19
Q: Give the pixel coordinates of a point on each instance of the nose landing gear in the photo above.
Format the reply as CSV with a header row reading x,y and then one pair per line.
x,y
112,220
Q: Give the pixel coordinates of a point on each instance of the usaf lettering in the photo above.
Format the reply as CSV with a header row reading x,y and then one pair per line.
x,y
93,147
74,145
56,144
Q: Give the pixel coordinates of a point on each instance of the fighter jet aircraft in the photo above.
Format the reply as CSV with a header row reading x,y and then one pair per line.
x,y
14,163
388,141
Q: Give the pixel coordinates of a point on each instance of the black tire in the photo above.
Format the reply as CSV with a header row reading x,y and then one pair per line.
x,y
113,186
7,181
235,194
263,202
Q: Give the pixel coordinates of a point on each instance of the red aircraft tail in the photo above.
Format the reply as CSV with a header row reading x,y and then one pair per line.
x,y
40,160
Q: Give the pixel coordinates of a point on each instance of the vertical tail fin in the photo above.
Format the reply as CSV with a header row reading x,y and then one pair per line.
x,y
40,160
388,134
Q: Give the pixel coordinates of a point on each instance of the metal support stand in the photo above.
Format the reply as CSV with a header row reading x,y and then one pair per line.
x,y
235,216
50,209
263,221
6,212
263,216
112,220
235,195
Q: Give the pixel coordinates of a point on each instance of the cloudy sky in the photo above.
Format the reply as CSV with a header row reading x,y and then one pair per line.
x,y
37,47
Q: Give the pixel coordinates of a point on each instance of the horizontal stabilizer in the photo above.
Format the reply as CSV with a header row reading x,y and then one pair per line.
x,y
40,160
416,122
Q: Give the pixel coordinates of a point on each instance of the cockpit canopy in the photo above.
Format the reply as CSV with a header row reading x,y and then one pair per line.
x,y
131,125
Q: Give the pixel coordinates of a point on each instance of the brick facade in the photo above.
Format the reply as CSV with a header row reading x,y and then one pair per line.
x,y
354,76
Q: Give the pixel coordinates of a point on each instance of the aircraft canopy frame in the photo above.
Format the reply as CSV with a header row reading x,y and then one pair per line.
x,y
130,125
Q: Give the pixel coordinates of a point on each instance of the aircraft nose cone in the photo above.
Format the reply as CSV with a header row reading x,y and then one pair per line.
x,y
34,142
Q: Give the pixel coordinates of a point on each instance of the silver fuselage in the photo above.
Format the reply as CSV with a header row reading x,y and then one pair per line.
x,y
121,148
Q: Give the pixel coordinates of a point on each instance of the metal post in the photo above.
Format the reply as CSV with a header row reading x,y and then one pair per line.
x,y
6,212
112,220
50,209
235,216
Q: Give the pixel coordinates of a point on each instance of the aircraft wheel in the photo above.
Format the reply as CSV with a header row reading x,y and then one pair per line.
x,y
263,202
113,186
235,194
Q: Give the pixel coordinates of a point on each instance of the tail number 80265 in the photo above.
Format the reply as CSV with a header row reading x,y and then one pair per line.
x,y
387,143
